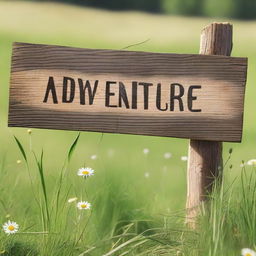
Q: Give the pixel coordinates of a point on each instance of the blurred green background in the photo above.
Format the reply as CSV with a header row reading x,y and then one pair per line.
x,y
242,9
135,184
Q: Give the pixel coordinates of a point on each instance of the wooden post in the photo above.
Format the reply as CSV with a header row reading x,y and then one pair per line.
x,y
205,157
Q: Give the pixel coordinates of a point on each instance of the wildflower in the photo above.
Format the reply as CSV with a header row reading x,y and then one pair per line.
x,y
248,252
94,157
146,174
145,151
83,205
184,158
242,164
252,162
167,155
10,227
71,200
29,131
18,161
85,172
111,152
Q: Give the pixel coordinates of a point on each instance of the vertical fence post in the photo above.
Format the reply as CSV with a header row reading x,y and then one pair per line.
x,y
205,157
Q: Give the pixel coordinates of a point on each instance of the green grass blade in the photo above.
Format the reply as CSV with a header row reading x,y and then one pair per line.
x,y
43,184
21,148
62,174
73,146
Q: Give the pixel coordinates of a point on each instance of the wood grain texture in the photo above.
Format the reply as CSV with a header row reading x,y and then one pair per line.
x,y
205,157
220,98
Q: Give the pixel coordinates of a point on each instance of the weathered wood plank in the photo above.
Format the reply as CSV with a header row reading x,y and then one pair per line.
x,y
131,92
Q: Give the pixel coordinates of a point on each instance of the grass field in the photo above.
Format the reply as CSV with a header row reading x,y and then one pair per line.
x,y
137,199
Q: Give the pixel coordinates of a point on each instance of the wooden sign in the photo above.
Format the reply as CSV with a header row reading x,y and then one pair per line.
x,y
176,95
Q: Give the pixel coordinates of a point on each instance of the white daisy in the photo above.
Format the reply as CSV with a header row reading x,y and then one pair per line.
x,y
71,200
248,252
85,172
146,174
184,158
10,227
252,162
94,157
167,155
111,152
83,205
145,151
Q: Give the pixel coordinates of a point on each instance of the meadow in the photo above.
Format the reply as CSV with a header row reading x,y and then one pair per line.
x,y
137,195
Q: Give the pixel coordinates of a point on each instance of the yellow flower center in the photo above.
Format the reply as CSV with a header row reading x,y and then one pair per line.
x,y
11,227
248,254
83,205
85,172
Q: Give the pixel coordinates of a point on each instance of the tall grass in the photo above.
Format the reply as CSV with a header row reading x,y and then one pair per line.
x,y
52,203
226,224
118,223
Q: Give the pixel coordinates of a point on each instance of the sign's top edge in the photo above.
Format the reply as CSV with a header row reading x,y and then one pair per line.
x,y
20,44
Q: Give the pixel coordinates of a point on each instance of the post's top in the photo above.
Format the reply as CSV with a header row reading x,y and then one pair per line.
x,y
215,23
216,39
